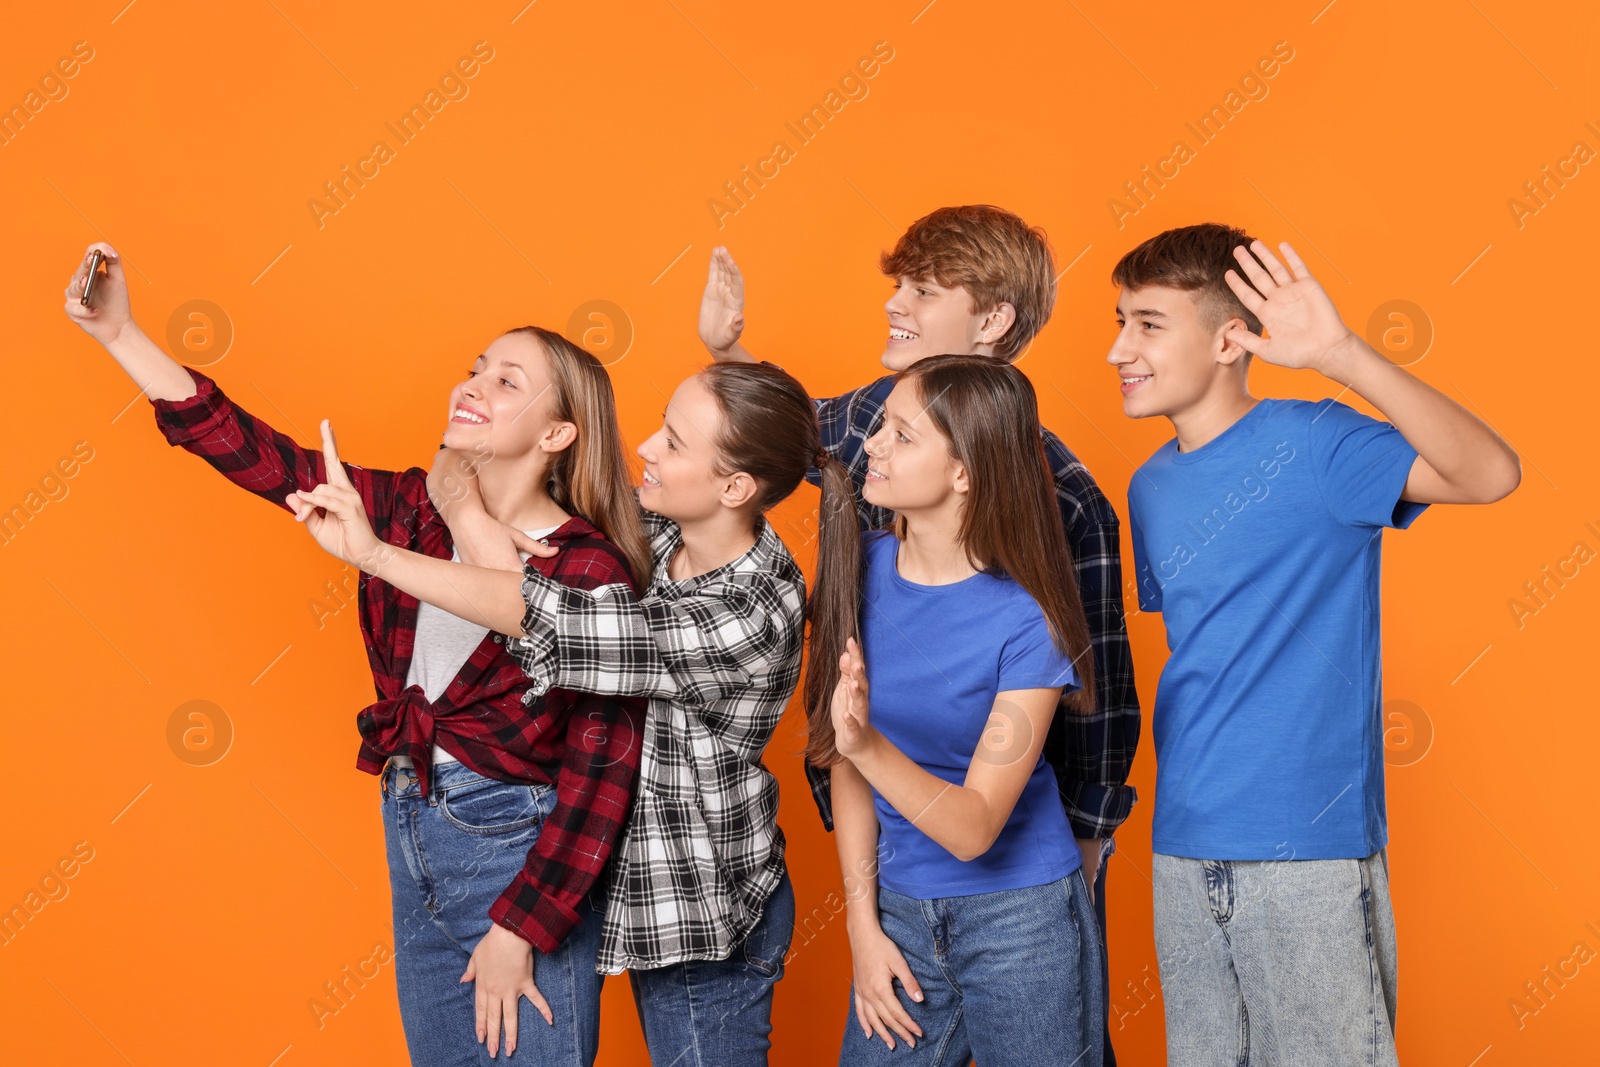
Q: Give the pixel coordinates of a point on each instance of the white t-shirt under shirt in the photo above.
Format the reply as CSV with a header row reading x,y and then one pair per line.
x,y
444,644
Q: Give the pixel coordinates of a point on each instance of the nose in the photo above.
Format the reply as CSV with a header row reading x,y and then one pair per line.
x,y
896,304
1121,351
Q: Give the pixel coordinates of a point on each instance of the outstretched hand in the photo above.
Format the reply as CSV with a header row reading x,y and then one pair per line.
x,y
108,313
1303,328
722,305
335,515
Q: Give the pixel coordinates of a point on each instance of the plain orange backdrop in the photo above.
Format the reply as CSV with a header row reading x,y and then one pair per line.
x,y
221,896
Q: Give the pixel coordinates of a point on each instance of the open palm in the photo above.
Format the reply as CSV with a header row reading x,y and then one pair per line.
x,y
1302,327
722,304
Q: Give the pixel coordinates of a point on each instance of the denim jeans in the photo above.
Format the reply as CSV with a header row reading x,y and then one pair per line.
x,y
718,1013
1009,979
451,854
1268,963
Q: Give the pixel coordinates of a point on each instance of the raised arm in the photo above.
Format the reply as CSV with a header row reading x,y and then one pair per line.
x,y
109,320
192,412
1460,458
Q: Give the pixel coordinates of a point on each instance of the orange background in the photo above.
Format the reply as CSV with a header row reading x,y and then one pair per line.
x,y
220,898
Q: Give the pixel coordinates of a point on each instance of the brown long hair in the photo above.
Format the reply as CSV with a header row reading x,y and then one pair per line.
x,y
1010,525
590,477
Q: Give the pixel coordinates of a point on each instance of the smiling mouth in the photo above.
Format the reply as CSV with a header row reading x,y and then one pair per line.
x,y
873,474
898,334
1134,382
465,415
652,482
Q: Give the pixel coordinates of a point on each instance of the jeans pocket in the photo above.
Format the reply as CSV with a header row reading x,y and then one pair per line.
x,y
766,945
490,807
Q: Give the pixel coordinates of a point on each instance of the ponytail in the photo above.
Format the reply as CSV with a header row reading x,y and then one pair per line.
x,y
835,608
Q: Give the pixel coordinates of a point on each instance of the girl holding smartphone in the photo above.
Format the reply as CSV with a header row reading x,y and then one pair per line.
x,y
700,909
501,805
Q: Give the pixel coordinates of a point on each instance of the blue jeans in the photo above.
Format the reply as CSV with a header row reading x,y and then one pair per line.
x,y
1009,979
1272,963
451,854
718,1013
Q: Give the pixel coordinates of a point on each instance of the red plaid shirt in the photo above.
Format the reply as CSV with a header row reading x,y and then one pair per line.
x,y
589,746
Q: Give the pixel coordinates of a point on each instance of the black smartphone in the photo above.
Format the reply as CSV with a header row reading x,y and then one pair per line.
x,y
95,259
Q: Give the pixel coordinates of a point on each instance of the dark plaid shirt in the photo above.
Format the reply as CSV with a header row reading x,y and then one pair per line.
x,y
488,717
1091,754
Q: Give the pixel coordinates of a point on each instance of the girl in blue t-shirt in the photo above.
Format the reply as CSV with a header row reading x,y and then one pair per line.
x,y
961,872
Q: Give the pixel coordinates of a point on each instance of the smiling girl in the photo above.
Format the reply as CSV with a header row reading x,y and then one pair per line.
x,y
501,805
966,883
700,908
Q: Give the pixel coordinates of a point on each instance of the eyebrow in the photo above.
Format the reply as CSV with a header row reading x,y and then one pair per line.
x,y
1147,313
671,432
503,363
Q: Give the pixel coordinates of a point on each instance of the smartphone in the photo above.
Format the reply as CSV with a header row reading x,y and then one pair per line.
x,y
95,259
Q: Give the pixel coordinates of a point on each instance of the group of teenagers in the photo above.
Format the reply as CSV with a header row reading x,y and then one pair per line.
x,y
577,676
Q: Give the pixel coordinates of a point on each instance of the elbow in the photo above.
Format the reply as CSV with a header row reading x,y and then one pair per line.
x,y
974,846
1511,477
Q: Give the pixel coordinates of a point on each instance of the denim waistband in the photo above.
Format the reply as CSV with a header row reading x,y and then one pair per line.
x,y
402,780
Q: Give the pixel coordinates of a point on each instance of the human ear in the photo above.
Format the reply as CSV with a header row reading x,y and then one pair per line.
x,y
739,490
995,324
559,437
1230,351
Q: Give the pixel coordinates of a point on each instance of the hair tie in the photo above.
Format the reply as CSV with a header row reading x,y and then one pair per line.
x,y
821,459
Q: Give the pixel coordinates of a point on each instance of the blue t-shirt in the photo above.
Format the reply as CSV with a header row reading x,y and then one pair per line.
x,y
1261,549
937,656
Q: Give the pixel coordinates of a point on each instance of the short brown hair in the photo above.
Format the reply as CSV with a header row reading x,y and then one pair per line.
x,y
1193,258
992,254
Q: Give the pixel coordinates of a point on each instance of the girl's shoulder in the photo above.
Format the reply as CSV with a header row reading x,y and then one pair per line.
x,y
587,559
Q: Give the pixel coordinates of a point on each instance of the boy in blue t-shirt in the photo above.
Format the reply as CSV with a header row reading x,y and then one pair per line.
x,y
1257,535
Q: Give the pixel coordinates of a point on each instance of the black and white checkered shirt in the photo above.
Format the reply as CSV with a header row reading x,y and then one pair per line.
x,y
718,655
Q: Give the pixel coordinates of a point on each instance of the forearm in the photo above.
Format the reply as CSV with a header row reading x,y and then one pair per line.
x,y
488,598
735,354
158,374
856,834
956,817
1461,448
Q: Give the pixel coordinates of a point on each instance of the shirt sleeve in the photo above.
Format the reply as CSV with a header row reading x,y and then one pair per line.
x,y
594,790
696,649
1361,467
262,461
1148,589
1030,659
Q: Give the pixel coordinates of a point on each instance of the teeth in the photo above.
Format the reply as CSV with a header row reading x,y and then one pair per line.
x,y
463,413
901,335
649,480
1141,378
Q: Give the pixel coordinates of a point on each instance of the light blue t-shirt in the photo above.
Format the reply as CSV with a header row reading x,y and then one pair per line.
x,y
937,655
1261,549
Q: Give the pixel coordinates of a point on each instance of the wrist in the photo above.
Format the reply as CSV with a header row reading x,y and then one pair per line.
x,y
1343,359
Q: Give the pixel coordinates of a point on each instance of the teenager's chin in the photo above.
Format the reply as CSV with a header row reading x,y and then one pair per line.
x,y
896,358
